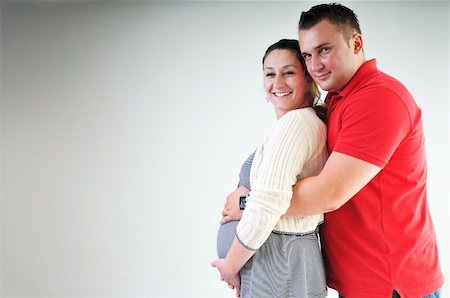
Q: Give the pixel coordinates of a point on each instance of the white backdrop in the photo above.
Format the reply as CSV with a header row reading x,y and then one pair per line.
x,y
124,125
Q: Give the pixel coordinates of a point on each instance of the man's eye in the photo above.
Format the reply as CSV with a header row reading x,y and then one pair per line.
x,y
269,75
324,50
306,56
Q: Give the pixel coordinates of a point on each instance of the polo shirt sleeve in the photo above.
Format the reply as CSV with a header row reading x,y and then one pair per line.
x,y
373,126
277,163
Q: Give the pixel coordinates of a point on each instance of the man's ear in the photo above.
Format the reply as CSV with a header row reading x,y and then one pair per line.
x,y
357,43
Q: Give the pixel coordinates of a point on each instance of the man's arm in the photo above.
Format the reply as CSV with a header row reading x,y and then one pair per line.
x,y
341,178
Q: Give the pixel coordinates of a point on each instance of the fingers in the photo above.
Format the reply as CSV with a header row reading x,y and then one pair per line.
x,y
225,212
224,220
214,263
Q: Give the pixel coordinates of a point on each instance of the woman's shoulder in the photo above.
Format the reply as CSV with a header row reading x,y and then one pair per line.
x,y
305,114
304,121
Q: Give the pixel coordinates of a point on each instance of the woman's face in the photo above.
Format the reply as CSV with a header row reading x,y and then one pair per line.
x,y
284,81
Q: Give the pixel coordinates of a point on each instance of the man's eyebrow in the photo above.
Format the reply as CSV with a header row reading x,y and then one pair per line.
x,y
325,44
322,45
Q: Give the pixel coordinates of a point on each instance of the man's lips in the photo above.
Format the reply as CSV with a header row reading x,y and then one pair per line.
x,y
322,76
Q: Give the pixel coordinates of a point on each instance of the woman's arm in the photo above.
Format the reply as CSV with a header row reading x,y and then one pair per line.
x,y
229,267
231,209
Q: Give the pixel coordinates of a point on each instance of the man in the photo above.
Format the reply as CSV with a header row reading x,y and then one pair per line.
x,y
378,238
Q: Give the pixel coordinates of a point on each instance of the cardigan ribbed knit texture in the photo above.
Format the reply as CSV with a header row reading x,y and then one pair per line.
x,y
295,148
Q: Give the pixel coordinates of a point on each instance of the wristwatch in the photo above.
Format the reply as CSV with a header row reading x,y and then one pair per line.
x,y
242,201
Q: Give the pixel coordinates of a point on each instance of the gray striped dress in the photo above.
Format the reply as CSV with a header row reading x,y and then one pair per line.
x,y
285,266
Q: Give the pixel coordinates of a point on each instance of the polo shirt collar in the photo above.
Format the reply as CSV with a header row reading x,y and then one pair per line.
x,y
361,74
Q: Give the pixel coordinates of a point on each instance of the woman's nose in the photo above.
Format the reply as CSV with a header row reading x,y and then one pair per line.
x,y
279,81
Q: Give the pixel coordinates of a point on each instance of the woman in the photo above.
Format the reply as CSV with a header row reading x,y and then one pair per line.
x,y
272,255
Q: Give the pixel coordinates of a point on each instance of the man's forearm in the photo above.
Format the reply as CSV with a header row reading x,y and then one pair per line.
x,y
309,198
341,178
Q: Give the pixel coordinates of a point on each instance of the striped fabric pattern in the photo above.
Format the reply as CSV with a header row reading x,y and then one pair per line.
x,y
244,174
285,266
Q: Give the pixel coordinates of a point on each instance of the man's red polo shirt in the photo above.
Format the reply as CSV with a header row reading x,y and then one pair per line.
x,y
383,238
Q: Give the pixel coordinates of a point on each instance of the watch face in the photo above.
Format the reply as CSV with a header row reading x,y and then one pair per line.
x,y
242,201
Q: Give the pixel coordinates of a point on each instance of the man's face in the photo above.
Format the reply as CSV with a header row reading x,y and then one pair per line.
x,y
330,58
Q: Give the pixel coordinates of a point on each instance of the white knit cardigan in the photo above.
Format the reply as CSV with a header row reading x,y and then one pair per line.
x,y
295,148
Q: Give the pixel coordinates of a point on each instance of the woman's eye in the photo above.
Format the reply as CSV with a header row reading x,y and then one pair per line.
x,y
289,73
269,74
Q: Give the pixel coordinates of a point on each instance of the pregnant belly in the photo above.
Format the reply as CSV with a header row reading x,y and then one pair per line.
x,y
225,237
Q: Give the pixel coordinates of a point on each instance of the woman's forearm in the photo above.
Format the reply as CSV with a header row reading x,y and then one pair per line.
x,y
237,256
